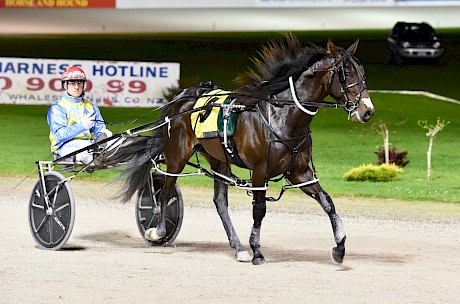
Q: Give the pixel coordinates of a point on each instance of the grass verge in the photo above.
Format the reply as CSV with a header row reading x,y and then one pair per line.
x,y
338,146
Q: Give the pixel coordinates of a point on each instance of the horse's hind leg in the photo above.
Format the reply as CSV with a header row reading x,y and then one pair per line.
x,y
166,195
221,202
177,153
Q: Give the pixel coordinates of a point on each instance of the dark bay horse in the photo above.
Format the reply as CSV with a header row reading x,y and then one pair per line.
x,y
272,133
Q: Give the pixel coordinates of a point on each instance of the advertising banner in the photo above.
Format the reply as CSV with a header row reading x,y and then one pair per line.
x,y
184,4
110,83
57,3
324,3
135,4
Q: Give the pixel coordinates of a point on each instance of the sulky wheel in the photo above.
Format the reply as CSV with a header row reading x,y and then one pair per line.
x,y
148,210
51,223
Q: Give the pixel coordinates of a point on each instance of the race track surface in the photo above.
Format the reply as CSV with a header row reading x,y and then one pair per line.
x,y
397,252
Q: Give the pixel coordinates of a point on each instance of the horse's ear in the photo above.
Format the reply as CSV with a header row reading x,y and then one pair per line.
x,y
353,47
332,48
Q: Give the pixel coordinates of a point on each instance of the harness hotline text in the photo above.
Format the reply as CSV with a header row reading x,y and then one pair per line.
x,y
109,83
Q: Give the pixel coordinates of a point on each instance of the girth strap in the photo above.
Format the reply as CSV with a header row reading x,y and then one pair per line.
x,y
294,153
231,151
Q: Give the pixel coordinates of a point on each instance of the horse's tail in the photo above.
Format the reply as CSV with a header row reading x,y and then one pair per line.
x,y
140,152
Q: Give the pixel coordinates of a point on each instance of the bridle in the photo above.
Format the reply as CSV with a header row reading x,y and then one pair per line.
x,y
337,69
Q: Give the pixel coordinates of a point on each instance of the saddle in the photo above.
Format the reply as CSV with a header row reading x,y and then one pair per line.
x,y
209,122
216,120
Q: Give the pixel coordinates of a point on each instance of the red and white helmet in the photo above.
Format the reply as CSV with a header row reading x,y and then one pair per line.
x,y
73,73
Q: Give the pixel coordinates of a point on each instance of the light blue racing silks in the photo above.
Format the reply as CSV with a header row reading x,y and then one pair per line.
x,y
64,118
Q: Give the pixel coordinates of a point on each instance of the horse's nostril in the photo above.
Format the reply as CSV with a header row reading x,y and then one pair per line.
x,y
368,115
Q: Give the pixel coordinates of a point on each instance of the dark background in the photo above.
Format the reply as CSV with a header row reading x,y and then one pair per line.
x,y
220,57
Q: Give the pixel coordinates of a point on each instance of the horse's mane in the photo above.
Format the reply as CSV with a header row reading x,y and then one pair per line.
x,y
277,61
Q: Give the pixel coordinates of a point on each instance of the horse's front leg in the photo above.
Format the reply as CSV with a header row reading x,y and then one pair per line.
x,y
221,203
259,209
325,201
316,191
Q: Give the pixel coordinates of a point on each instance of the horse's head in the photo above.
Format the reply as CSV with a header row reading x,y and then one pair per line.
x,y
346,82
312,74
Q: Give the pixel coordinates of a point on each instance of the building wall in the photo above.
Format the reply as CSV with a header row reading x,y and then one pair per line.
x,y
63,21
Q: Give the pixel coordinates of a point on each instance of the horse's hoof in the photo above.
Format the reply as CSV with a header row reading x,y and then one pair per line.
x,y
258,261
151,235
243,256
337,255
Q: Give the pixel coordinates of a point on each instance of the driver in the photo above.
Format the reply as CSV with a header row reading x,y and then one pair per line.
x,y
74,121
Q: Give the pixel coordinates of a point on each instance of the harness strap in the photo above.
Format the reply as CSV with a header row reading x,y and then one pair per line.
x,y
284,141
273,131
294,153
231,151
294,96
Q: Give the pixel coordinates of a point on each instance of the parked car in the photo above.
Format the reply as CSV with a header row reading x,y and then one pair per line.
x,y
414,41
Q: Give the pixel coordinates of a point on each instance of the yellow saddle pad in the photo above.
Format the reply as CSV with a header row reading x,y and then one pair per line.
x,y
205,122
